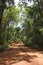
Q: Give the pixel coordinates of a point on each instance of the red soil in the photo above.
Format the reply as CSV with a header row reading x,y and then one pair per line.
x,y
18,54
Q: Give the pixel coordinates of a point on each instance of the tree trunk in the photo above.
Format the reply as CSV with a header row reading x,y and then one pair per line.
x,y
1,14
2,7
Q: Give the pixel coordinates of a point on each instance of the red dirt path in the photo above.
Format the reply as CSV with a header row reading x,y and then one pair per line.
x,y
18,54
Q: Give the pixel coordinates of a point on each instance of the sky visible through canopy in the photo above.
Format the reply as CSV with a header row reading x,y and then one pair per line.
x,y
29,4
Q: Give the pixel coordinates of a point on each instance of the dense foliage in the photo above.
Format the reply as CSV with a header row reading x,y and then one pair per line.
x,y
30,19
33,25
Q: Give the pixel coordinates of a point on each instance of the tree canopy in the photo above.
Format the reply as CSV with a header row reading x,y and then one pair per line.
x,y
30,19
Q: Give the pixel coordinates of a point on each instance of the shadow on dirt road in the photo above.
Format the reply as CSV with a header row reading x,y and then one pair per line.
x,y
17,53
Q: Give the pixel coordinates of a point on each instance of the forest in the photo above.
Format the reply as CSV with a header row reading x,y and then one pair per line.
x,y
24,23
21,32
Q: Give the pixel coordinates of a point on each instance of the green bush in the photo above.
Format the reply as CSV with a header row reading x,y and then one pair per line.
x,y
3,46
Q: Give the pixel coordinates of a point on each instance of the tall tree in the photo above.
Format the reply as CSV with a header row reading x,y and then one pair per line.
x,y
2,7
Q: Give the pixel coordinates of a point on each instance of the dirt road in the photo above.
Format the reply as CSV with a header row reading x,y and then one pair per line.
x,y
18,54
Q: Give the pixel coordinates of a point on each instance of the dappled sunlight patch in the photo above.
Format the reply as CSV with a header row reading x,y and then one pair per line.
x,y
20,54
21,63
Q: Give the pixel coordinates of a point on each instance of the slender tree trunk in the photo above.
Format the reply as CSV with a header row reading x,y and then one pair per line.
x,y
2,7
1,14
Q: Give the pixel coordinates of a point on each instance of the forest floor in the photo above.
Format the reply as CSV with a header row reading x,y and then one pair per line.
x,y
18,54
